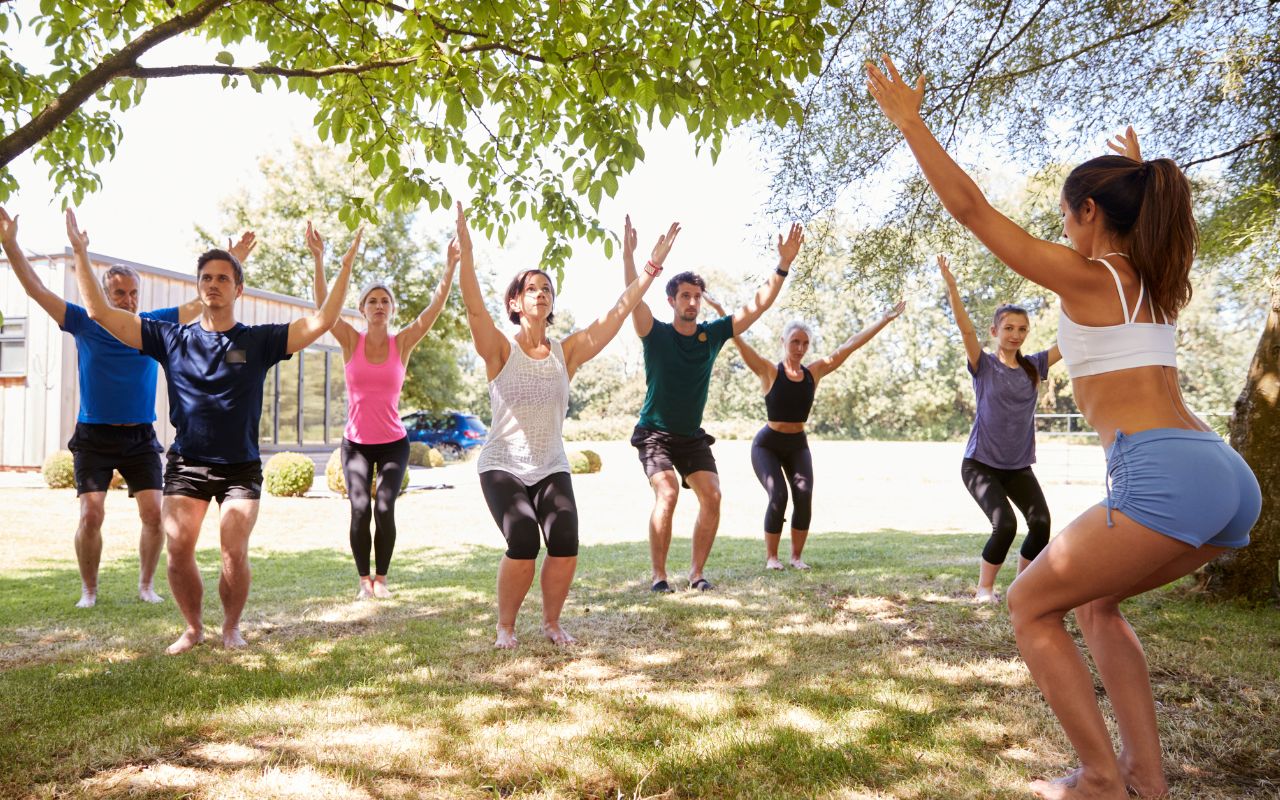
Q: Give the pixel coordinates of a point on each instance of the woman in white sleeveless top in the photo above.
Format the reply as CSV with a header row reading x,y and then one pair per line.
x,y
524,472
1178,496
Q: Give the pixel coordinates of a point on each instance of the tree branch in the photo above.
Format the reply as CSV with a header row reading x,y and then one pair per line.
x,y
1254,142
110,68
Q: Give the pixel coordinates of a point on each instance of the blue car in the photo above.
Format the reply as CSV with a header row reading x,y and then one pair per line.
x,y
453,433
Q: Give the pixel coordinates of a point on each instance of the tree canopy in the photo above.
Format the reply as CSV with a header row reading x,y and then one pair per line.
x,y
541,102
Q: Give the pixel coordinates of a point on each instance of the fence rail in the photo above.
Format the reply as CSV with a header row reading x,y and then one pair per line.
x,y
1049,424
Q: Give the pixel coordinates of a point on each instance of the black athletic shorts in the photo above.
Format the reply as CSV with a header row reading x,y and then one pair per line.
x,y
97,450
208,481
661,451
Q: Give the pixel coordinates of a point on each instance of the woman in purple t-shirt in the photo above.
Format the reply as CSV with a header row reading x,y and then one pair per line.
x,y
1002,445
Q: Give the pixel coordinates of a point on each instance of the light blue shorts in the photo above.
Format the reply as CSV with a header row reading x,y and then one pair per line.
x,y
1188,485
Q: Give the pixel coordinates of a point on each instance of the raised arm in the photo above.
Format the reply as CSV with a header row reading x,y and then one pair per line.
x,y
641,315
414,331
583,345
825,366
744,317
121,324
346,335
755,362
1053,266
193,308
490,344
53,305
972,345
303,332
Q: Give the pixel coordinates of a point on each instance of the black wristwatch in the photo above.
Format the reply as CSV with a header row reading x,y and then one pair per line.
x,y
781,271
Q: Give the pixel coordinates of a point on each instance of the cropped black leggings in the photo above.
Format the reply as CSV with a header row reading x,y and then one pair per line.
x,y
359,463
527,514
781,460
993,489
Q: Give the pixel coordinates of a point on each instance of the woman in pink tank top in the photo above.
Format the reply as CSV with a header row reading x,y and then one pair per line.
x,y
375,442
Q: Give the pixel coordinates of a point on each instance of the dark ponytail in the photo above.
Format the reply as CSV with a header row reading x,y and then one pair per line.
x,y
1023,361
1148,205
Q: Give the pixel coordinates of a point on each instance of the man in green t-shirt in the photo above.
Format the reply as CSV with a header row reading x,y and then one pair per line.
x,y
678,357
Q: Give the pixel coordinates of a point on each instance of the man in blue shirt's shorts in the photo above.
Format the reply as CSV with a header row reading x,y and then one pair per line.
x,y
114,429
216,367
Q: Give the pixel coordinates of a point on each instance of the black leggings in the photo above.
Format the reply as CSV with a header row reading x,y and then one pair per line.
x,y
782,459
993,489
528,513
359,462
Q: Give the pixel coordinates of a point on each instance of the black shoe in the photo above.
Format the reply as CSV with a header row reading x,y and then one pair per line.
x,y
702,585
661,587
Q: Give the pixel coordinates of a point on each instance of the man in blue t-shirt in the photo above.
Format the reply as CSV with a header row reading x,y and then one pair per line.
x,y
117,408
678,357
216,367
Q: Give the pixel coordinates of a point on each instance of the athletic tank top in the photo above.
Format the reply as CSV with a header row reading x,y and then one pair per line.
x,y
529,399
373,396
1091,350
788,400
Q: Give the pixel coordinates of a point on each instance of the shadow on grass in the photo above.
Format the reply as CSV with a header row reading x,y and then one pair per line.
x,y
869,676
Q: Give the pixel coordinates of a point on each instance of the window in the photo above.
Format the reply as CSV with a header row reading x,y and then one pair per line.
x,y
13,346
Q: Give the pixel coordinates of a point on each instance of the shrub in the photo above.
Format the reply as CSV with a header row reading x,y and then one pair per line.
x,y
419,454
333,475
288,474
434,458
59,471
584,461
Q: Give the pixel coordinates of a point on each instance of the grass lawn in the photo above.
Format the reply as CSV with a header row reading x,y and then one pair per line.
x,y
869,677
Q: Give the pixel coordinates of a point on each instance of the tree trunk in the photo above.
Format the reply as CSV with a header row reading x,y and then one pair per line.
x,y
1252,573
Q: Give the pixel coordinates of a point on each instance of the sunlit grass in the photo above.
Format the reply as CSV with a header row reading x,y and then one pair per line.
x,y
869,677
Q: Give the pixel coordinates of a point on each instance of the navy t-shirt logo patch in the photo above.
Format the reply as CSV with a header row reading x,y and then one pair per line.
x,y
236,356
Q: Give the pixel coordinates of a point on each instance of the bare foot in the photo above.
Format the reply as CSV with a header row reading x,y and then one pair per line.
x,y
773,563
189,639
232,640
506,638
148,595
1148,784
985,595
88,599
557,635
1080,784
380,589
366,589
797,563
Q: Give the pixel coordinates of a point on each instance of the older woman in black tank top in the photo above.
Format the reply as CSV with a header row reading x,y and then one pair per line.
x,y
780,452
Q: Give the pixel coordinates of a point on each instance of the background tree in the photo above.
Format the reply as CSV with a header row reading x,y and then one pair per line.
x,y
1030,83
541,102
316,183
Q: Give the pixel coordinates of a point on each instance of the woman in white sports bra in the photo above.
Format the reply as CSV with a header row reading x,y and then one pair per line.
x,y
1178,496
524,472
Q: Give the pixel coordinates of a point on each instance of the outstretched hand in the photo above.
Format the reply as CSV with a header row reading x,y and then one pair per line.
x,y
241,249
899,101
350,257
452,254
715,304
315,242
790,247
663,247
8,227
79,239
1126,144
896,311
944,267
463,237
629,241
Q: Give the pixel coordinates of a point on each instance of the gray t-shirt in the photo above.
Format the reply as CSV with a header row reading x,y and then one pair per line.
x,y
1004,429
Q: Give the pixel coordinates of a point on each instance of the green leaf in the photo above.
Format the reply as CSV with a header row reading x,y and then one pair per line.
x,y
224,57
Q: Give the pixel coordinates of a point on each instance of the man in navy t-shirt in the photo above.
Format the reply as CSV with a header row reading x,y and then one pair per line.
x,y
216,368
117,408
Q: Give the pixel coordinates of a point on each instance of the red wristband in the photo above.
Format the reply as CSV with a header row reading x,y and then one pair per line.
x,y
652,268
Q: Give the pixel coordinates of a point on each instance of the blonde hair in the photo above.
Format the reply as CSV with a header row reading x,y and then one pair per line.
x,y
369,288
